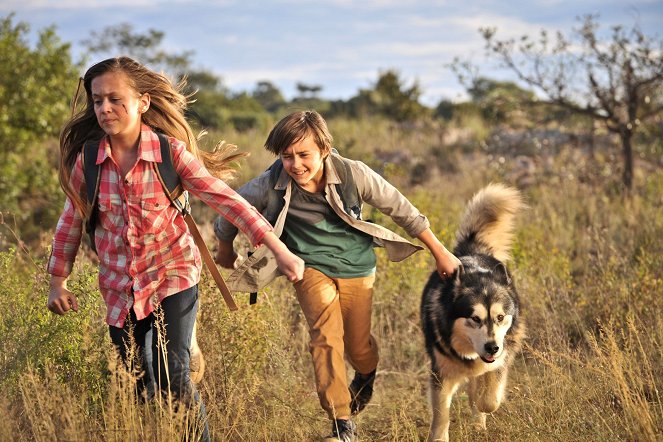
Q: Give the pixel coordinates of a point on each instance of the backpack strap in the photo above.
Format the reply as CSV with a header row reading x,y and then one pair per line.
x,y
92,179
172,187
170,180
347,188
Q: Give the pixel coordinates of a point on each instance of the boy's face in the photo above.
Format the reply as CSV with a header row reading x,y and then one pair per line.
x,y
303,161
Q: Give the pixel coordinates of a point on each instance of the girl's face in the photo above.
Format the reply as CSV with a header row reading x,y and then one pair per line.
x,y
117,105
303,161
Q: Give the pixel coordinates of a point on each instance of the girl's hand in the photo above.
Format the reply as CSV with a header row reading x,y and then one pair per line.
x,y
61,300
291,265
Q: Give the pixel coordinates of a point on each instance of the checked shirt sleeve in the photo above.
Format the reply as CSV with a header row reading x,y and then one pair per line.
x,y
68,232
218,195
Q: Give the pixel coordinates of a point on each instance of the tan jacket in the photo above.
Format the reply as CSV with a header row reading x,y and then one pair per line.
x,y
260,268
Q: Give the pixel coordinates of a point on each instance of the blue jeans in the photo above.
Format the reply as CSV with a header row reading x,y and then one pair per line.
x,y
179,314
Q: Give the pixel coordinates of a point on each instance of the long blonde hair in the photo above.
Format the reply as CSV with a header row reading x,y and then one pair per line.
x,y
165,115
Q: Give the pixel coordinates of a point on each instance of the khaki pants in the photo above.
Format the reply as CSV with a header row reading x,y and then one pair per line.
x,y
338,312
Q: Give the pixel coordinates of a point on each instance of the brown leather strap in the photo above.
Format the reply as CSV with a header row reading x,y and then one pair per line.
x,y
209,262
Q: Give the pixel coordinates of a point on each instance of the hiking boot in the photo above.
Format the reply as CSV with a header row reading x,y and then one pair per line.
x,y
343,430
361,391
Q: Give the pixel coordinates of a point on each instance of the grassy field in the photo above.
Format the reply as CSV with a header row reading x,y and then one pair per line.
x,y
588,264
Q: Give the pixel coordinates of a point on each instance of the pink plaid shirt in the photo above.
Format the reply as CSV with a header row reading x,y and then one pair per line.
x,y
145,249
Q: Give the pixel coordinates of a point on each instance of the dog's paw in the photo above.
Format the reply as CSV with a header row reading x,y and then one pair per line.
x,y
479,421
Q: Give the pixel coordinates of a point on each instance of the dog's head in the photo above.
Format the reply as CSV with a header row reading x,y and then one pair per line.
x,y
485,308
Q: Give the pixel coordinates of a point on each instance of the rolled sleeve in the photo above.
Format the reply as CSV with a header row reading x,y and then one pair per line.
x,y
382,195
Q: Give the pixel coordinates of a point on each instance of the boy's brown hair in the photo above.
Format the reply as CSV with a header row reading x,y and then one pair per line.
x,y
297,126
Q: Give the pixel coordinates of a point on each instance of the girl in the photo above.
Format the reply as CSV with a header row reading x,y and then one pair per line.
x,y
314,197
147,257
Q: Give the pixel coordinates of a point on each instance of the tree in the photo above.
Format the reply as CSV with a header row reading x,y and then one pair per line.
x,y
616,80
499,101
208,99
36,85
444,110
123,40
390,97
268,95
308,90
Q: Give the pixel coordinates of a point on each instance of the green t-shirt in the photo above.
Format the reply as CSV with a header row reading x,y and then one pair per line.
x,y
323,240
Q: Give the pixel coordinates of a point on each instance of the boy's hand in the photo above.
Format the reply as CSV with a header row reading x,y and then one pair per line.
x,y
61,300
447,263
225,255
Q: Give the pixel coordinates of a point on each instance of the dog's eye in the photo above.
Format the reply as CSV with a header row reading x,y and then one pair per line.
x,y
500,318
476,319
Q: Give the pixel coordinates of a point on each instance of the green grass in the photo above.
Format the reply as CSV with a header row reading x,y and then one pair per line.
x,y
587,262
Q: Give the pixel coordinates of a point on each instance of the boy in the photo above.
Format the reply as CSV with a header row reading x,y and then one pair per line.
x,y
313,197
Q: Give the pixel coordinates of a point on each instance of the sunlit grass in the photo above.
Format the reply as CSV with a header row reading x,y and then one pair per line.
x,y
588,265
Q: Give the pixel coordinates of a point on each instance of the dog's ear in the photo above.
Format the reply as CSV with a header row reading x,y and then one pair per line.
x,y
502,274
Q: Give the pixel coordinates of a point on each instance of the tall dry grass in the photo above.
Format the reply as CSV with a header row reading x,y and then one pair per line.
x,y
588,264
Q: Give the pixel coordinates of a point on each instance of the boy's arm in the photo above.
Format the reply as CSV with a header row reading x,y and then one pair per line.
x,y
225,254
445,261
379,193
254,194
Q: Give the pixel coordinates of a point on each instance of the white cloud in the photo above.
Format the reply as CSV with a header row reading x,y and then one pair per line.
x,y
78,5
27,5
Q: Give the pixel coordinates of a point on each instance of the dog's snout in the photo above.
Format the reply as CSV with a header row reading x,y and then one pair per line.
x,y
491,348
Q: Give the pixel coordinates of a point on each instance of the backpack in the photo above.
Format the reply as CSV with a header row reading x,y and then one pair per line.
x,y
172,187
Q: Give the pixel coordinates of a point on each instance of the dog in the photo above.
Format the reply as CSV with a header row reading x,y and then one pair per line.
x,y
471,321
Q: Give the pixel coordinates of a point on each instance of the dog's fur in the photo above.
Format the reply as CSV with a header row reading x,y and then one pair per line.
x,y
471,320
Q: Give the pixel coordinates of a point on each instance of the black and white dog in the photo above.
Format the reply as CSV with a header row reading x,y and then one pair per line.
x,y
471,321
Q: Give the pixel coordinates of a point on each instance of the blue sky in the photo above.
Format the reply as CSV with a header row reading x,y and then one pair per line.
x,y
341,45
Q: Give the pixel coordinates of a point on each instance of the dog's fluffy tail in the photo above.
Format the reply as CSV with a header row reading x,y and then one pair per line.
x,y
487,225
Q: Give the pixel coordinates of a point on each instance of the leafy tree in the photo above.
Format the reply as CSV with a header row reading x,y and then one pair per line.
x,y
444,110
390,97
36,85
268,95
123,40
208,98
616,80
201,80
499,101
308,90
